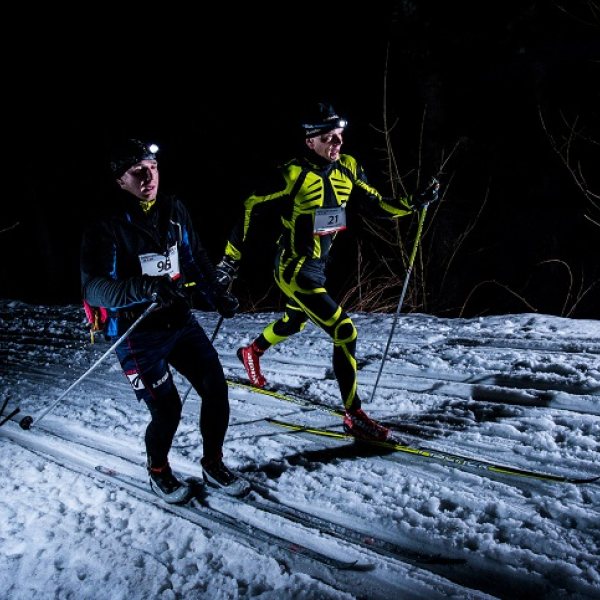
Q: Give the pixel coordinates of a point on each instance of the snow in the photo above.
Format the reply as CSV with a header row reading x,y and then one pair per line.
x,y
515,390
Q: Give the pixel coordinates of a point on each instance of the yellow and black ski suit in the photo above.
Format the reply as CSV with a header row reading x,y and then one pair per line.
x,y
310,196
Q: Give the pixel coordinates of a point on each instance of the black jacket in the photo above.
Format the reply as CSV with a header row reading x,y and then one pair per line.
x,y
111,271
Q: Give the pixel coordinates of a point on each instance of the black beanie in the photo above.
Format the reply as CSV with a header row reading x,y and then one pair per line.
x,y
321,118
127,153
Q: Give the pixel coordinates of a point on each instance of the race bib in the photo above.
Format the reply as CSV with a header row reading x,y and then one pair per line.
x,y
329,220
161,264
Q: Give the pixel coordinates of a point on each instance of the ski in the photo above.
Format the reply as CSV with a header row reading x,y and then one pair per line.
x,y
200,511
204,498
260,502
378,545
434,454
400,445
9,416
196,511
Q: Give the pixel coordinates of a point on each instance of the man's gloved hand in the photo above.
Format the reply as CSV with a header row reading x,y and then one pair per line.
x,y
227,305
163,290
226,272
424,196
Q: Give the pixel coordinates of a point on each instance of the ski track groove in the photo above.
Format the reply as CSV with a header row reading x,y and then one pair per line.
x,y
70,444
472,407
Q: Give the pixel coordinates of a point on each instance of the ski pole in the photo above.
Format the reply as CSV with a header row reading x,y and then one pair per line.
x,y
212,339
10,415
401,301
27,421
214,335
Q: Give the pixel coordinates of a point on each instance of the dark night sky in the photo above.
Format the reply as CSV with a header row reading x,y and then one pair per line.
x,y
221,92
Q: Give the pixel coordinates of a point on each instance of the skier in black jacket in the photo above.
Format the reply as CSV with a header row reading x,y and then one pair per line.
x,y
310,193
145,250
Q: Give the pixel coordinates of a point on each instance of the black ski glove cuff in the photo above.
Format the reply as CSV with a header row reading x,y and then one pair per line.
x,y
227,305
424,196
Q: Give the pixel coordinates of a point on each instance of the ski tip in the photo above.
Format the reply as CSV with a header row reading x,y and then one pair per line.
x,y
580,480
354,566
105,470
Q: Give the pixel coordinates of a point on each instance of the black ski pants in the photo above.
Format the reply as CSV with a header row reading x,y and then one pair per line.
x,y
147,356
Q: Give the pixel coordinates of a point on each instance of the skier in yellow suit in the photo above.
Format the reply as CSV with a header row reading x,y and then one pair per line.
x,y
310,194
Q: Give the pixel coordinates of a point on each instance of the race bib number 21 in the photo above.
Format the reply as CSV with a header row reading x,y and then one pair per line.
x,y
329,220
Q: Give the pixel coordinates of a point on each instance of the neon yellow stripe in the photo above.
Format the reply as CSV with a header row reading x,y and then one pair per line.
x,y
451,459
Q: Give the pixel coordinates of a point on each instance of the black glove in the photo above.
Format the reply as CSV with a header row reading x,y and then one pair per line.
x,y
226,305
161,289
226,272
424,196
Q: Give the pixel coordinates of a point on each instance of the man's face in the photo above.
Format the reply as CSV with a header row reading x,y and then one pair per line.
x,y
141,180
327,145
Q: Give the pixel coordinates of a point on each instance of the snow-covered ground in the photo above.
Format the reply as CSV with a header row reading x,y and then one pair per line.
x,y
520,391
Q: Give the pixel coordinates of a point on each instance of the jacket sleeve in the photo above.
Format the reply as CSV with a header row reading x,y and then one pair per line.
x,y
99,287
377,205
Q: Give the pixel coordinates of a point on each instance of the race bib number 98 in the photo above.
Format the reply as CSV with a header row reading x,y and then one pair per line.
x,y
161,264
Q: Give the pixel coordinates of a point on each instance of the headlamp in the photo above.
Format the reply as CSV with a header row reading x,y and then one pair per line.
x,y
329,125
312,130
129,153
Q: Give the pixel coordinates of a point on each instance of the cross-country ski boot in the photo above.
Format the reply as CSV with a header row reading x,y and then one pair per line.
x,y
165,485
